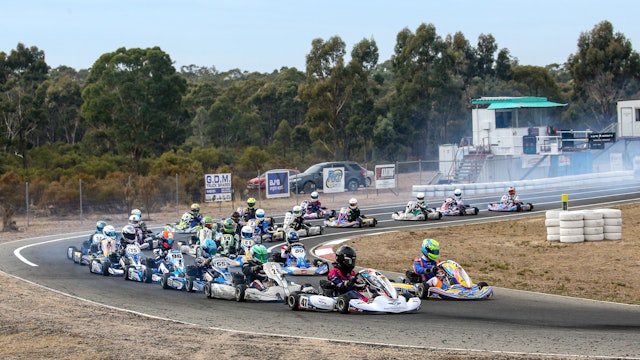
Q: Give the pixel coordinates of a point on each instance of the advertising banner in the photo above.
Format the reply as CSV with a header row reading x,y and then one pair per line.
x,y
333,180
217,187
277,184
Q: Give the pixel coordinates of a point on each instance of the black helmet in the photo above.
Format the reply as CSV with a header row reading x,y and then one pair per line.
x,y
346,258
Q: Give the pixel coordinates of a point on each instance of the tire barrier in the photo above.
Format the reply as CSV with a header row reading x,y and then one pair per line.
x,y
583,225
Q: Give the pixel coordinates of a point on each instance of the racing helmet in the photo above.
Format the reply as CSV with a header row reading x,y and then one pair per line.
x,y
297,211
293,237
457,193
109,231
251,202
235,216
353,203
246,232
229,226
100,226
133,220
208,222
346,258
129,233
210,247
260,214
259,253
420,196
195,207
314,195
431,249
137,213
512,190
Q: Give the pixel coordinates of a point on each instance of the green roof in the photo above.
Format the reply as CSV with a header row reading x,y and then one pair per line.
x,y
496,103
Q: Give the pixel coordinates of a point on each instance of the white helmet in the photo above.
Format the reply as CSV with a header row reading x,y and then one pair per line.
x,y
129,233
353,203
457,193
314,195
247,232
260,214
109,231
137,213
297,211
420,196
134,219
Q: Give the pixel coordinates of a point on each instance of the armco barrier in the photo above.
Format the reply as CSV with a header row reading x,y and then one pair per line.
x,y
441,191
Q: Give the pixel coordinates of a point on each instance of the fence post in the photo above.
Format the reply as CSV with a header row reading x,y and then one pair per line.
x,y
81,215
177,199
26,191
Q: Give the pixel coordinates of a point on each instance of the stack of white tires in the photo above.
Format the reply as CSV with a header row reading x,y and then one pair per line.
x,y
612,223
583,225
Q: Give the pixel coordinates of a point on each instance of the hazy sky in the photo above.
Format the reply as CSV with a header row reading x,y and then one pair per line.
x,y
266,35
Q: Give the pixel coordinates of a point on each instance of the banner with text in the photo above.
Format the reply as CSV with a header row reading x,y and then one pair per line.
x,y
385,176
277,184
217,187
333,180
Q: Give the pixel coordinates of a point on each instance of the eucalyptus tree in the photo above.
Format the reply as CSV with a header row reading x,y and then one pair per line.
x,y
22,73
604,69
62,100
133,98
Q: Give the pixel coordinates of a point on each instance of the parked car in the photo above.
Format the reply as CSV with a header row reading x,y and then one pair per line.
x,y
262,181
369,177
311,179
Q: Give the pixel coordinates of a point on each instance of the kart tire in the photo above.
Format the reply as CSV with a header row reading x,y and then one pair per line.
x,y
105,267
198,252
293,301
189,283
164,281
476,211
70,251
240,291
422,291
342,304
207,290
126,273
147,275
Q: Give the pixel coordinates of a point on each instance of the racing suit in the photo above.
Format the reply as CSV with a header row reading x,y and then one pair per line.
x,y
345,283
313,206
298,223
252,271
510,199
248,213
354,215
425,268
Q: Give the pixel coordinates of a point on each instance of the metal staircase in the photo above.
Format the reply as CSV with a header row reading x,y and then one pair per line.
x,y
469,168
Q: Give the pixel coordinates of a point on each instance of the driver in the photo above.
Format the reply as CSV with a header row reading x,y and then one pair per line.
x,y
510,197
343,276
252,269
426,264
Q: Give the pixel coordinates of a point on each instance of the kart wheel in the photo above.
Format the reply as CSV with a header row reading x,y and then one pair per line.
x,y
240,291
476,211
164,282
70,251
91,265
189,285
198,252
422,291
342,304
207,290
147,275
126,273
293,300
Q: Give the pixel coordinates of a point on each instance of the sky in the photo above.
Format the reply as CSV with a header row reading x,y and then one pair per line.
x,y
266,35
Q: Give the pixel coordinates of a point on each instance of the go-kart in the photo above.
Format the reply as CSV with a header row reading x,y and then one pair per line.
x,y
87,251
306,230
132,264
173,273
381,297
413,212
450,208
297,263
275,288
187,225
322,213
342,220
452,282
106,263
510,206
219,282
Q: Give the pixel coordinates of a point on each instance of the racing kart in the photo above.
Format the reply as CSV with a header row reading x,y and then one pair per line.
x,y
106,263
381,297
297,263
342,222
306,230
323,213
173,273
510,207
186,224
84,254
275,288
413,212
450,208
453,282
132,264
219,282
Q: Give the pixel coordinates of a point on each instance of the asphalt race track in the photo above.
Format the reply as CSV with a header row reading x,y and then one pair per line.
x,y
513,321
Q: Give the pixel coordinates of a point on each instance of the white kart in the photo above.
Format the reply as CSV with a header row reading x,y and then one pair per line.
x,y
219,282
413,212
381,295
276,288
307,229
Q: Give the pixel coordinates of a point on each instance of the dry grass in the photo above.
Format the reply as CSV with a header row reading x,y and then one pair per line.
x,y
515,254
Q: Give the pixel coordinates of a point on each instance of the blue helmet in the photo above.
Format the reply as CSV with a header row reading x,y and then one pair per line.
x,y
100,226
292,237
210,247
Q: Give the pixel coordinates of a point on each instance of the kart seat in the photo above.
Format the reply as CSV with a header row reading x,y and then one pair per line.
x,y
413,278
328,288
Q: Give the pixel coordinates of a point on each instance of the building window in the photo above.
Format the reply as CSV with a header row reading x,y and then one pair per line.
x,y
504,119
637,114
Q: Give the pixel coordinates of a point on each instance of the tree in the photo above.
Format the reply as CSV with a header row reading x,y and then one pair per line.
x,y
602,69
135,96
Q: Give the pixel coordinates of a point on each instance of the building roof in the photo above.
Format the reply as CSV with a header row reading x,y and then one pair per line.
x,y
505,102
